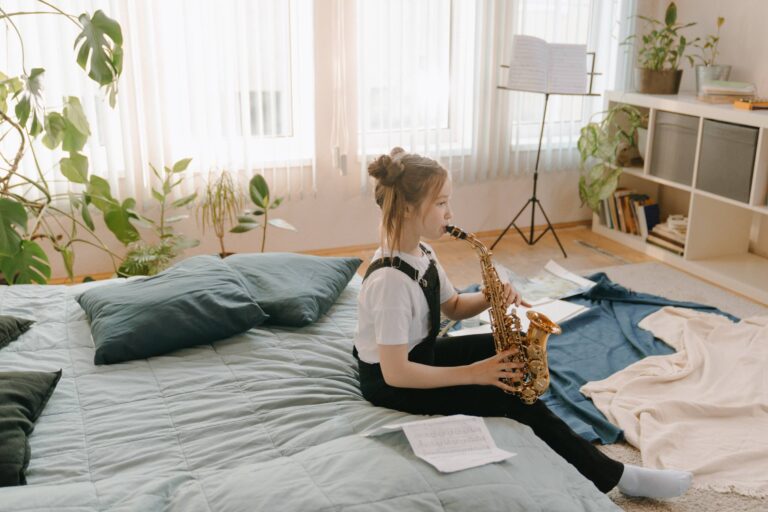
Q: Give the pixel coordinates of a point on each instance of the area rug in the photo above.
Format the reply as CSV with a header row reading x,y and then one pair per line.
x,y
660,279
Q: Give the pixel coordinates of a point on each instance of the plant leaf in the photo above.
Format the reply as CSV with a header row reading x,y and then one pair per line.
x,y
12,213
259,191
184,200
243,227
280,223
98,40
118,221
181,165
73,112
75,167
86,213
28,265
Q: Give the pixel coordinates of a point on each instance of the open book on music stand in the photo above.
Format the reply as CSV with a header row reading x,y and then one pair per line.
x,y
546,68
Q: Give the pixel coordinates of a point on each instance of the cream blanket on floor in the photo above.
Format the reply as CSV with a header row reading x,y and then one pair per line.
x,y
703,409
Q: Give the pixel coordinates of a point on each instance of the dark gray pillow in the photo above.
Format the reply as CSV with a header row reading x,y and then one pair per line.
x,y
294,289
23,396
11,328
197,301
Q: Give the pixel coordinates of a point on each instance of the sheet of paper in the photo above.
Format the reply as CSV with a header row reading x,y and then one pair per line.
x,y
528,67
567,69
450,443
553,282
556,310
538,66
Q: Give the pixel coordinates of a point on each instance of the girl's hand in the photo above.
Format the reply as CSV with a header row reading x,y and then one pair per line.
x,y
489,372
513,297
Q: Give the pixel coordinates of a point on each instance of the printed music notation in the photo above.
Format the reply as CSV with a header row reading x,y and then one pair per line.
x,y
450,443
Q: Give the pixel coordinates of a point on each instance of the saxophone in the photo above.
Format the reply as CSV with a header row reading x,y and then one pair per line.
x,y
531,346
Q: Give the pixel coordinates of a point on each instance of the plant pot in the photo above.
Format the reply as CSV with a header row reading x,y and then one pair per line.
x,y
642,141
708,73
650,81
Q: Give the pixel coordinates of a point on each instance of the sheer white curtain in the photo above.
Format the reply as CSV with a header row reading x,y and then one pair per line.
x,y
428,75
228,84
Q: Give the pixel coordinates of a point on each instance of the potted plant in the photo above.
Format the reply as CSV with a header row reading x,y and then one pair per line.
x,y
708,70
30,211
221,204
660,53
259,193
145,259
601,145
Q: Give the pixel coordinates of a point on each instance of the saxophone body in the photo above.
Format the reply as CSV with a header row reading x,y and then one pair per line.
x,y
531,346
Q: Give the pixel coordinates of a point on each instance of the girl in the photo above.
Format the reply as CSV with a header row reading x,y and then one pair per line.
x,y
404,366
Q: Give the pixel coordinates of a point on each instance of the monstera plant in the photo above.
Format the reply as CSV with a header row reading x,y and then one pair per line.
x,y
29,211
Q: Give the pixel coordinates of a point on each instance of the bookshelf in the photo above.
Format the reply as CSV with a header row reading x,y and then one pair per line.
x,y
726,206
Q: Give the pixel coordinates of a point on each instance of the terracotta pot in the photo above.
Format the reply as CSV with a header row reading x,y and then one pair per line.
x,y
649,81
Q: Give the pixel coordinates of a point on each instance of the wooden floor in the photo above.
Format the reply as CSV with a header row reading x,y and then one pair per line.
x,y
585,250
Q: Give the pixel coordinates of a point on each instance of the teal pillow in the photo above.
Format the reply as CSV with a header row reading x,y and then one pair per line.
x,y
197,301
294,289
11,328
23,396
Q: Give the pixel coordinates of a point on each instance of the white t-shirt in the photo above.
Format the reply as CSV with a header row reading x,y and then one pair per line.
x,y
392,308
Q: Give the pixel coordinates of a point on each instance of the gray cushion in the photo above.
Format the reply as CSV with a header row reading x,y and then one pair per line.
x,y
11,328
23,396
197,301
294,289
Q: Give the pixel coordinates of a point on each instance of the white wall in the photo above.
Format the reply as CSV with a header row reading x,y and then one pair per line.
x,y
743,37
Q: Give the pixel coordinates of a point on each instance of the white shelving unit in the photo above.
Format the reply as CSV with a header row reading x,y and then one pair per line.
x,y
727,240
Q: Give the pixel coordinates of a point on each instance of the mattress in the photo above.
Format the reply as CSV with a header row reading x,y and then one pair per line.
x,y
267,420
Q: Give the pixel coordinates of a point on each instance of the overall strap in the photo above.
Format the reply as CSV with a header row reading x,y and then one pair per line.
x,y
429,284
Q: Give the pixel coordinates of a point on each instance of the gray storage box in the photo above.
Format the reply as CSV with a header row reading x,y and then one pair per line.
x,y
674,147
727,159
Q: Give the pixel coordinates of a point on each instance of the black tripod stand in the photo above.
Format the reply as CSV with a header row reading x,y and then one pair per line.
x,y
534,201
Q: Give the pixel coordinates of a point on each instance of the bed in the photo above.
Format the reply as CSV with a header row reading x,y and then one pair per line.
x,y
270,419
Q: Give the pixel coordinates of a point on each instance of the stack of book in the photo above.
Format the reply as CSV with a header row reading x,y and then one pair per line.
x,y
630,212
670,235
721,91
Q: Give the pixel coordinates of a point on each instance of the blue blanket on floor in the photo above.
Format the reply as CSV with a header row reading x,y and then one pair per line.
x,y
598,343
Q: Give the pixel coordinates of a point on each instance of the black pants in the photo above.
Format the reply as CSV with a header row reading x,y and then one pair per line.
x,y
603,471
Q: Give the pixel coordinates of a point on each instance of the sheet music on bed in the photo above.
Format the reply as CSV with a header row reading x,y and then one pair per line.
x,y
450,443
555,68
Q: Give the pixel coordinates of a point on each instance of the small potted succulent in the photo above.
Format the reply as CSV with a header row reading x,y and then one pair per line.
x,y
660,53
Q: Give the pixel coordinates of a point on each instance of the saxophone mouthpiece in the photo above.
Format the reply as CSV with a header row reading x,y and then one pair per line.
x,y
455,232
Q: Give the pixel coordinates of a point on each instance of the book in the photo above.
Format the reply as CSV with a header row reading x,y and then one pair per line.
x,y
658,242
647,215
554,68
724,87
669,233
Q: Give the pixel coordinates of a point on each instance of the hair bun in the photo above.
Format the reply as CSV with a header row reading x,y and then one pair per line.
x,y
387,169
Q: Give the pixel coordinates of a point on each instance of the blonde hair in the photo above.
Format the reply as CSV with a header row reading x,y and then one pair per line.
x,y
403,179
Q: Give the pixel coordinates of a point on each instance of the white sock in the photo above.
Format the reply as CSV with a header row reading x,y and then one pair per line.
x,y
654,483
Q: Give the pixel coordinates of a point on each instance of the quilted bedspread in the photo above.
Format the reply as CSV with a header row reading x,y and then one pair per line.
x,y
266,420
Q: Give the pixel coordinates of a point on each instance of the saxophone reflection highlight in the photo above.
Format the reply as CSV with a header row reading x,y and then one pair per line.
x,y
531,346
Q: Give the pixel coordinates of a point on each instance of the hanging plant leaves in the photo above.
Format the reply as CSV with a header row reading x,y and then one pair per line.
x,y
75,167
12,213
28,265
73,112
118,221
99,47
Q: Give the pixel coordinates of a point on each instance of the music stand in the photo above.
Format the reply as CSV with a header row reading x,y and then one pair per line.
x,y
534,201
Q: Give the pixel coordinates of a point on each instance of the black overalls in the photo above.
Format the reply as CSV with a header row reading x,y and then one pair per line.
x,y
474,400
